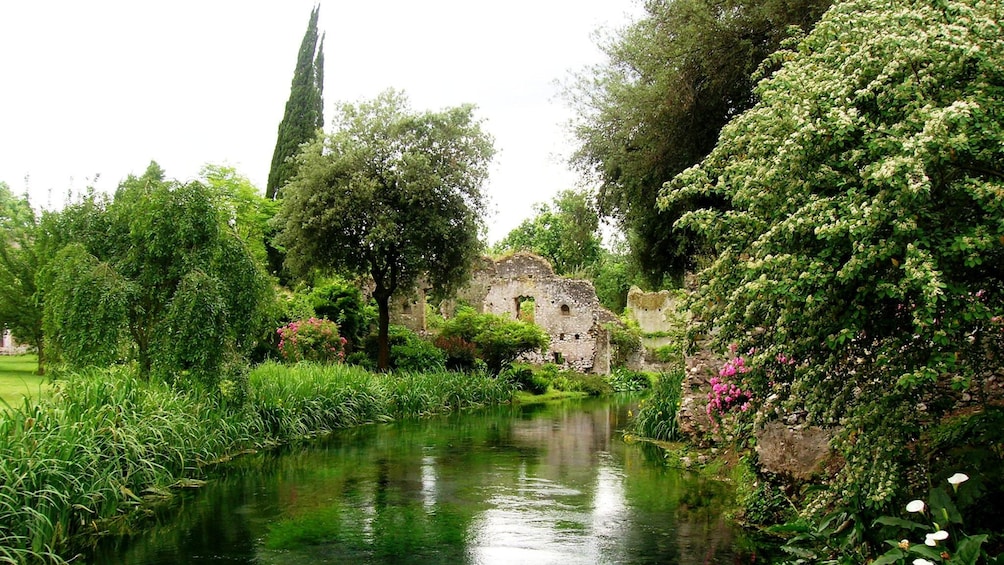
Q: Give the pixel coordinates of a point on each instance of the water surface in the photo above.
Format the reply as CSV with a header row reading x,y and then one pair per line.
x,y
538,484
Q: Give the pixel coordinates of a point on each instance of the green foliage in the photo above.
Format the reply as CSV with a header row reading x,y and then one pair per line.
x,y
625,341
973,441
573,381
527,379
760,496
614,275
671,81
156,273
499,341
565,233
537,379
864,226
304,109
342,302
622,379
91,300
656,417
21,258
408,351
392,195
244,209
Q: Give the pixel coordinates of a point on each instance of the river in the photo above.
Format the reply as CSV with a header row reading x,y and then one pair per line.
x,y
537,484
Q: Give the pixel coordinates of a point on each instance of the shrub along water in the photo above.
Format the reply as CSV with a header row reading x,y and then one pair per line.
x,y
74,464
656,418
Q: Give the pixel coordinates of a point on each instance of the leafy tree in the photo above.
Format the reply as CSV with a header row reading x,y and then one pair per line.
x,y
498,341
166,276
242,205
20,297
391,194
566,234
304,108
613,276
865,232
672,80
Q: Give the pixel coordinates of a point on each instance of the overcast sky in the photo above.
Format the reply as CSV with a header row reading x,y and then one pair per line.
x,y
103,87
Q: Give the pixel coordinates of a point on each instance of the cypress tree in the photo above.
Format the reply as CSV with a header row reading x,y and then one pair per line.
x,y
303,113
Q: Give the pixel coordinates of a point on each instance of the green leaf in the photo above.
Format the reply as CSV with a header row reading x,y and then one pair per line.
x,y
942,507
925,551
899,522
892,556
968,550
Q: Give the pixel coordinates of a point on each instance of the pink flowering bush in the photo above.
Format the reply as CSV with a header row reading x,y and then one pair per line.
x,y
312,339
725,396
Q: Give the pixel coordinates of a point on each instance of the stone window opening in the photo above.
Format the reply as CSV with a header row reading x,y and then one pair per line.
x,y
559,359
561,337
565,310
406,307
576,337
526,307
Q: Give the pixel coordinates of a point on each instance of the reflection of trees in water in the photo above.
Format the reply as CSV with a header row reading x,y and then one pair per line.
x,y
432,490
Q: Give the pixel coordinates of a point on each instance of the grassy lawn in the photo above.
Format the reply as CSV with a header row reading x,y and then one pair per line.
x,y
18,378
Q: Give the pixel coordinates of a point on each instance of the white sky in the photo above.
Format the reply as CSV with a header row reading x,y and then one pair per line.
x,y
102,87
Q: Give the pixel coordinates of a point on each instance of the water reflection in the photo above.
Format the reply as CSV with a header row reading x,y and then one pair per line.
x,y
536,485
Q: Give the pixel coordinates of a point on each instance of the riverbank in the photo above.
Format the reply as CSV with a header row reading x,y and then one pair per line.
x,y
105,442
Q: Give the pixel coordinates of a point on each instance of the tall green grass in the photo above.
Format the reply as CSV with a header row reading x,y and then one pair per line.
x,y
656,419
73,463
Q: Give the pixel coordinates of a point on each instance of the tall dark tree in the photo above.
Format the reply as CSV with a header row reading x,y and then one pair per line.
x,y
672,80
303,113
391,194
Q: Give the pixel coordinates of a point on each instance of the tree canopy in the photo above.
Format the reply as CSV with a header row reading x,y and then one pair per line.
x,y
672,80
157,270
565,233
20,296
860,255
392,194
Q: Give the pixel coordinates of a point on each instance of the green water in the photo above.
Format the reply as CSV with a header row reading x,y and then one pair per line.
x,y
539,484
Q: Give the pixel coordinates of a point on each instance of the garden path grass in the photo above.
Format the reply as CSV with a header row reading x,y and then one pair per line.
x,y
18,378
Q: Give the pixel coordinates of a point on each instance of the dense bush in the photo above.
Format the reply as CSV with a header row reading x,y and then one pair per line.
x,y
499,341
408,351
312,339
527,379
461,355
342,302
858,252
626,380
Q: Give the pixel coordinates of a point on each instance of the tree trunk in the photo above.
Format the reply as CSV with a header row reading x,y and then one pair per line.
x,y
383,323
40,347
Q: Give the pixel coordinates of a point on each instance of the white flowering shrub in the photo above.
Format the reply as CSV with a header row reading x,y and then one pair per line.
x,y
864,228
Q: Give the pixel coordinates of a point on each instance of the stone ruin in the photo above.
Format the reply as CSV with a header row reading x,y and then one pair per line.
x,y
524,287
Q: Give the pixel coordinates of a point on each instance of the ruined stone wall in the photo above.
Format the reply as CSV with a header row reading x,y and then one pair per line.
x,y
567,309
408,310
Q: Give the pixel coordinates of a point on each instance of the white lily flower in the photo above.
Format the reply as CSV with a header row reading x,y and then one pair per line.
x,y
933,539
915,506
922,561
957,479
